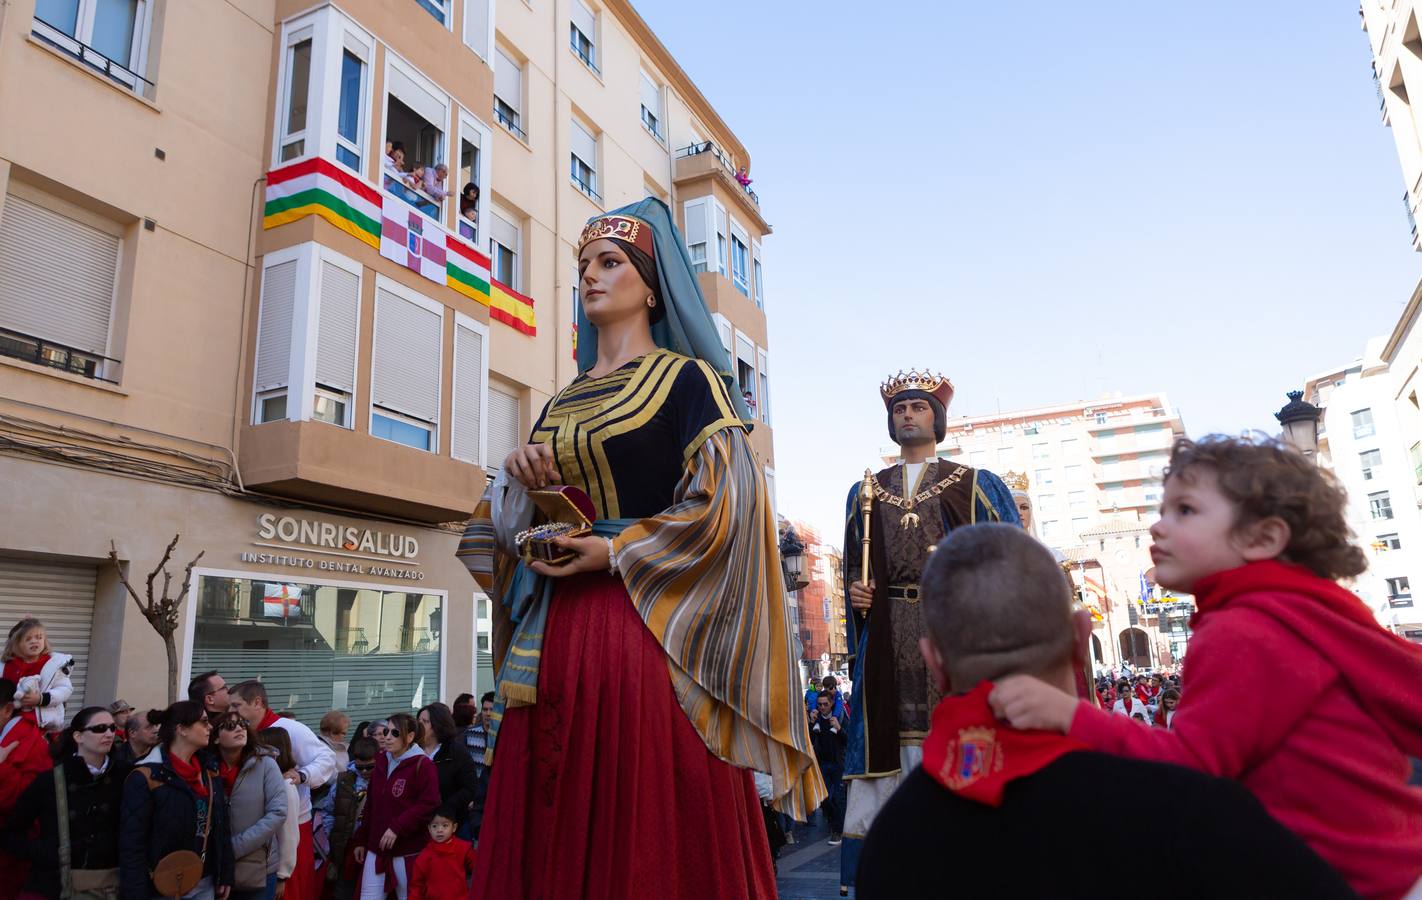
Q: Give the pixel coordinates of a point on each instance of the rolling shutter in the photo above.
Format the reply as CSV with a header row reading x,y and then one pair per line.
x,y
407,359
585,20
274,329
431,108
697,227
336,335
508,80
62,597
468,392
503,232
56,276
504,433
651,96
476,26
584,145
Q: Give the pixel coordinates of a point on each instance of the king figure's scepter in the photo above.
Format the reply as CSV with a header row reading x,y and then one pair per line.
x,y
866,506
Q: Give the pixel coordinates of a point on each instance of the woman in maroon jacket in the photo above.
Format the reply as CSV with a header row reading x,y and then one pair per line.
x,y
404,792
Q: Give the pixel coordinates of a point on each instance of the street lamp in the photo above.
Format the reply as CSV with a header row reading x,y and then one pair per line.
x,y
1300,421
792,559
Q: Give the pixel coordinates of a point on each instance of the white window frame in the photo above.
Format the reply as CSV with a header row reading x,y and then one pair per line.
x,y
592,39
486,51
722,237
80,44
1368,470
293,34
482,329
757,275
382,283
516,107
420,80
468,122
517,222
448,12
763,371
657,126
1371,426
313,329
702,207
589,189
1375,500
727,333
740,278
361,45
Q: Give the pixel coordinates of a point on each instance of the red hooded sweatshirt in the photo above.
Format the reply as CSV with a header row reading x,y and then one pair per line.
x,y
1326,749
442,871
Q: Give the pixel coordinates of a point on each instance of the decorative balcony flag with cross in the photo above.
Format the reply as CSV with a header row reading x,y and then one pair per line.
x,y
281,601
409,239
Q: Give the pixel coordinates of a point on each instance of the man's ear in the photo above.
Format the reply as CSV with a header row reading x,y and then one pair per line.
x,y
934,660
1265,539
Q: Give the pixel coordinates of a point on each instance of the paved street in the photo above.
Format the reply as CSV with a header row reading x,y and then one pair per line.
x,y
809,868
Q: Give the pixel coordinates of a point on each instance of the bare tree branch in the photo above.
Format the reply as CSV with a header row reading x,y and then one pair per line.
x,y
161,610
113,558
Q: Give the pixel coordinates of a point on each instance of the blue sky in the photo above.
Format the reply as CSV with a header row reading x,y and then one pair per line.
x,y
1193,198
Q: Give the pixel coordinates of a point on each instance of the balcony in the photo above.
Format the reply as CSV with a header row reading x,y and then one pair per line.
x,y
321,463
56,356
699,160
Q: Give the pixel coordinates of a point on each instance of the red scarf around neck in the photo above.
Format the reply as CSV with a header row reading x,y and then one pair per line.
x,y
228,774
975,756
268,720
191,772
1382,670
16,668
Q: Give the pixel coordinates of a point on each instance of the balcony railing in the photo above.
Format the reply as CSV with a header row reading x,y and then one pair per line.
x,y
723,158
509,121
116,71
585,55
53,355
418,199
586,188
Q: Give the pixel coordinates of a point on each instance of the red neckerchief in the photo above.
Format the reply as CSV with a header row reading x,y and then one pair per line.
x,y
1127,700
191,772
16,668
228,774
975,756
268,720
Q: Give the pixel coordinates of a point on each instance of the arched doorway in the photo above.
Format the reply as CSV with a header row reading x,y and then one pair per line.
x,y
1096,655
1135,647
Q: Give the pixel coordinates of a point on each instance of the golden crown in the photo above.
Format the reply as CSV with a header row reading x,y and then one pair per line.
x,y
624,228
913,380
1015,481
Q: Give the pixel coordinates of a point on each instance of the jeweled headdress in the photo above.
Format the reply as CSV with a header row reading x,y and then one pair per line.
x,y
1015,481
938,386
624,228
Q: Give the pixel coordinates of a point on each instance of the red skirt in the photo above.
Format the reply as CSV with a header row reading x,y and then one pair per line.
x,y
603,788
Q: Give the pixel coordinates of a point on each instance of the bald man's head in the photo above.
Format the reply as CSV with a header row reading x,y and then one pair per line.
x,y
996,603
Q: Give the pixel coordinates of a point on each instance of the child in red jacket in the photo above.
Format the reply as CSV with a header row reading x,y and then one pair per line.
x,y
444,868
404,793
1257,533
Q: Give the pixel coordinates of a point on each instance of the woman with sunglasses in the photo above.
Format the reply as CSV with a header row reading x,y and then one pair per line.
x,y
171,803
404,793
93,789
256,806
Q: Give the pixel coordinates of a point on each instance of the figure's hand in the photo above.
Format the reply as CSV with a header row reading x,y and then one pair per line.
x,y
532,466
861,595
360,856
292,775
592,557
834,723
1028,703
31,699
387,840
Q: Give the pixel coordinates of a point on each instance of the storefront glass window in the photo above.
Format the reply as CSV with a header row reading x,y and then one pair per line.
x,y
322,647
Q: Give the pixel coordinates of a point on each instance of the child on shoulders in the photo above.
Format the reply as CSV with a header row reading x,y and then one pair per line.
x,y
40,674
1257,533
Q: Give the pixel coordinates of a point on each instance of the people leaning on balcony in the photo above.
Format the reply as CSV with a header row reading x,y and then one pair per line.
x,y
394,160
434,180
469,202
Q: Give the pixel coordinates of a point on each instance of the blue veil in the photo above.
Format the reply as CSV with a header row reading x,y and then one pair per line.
x,y
687,328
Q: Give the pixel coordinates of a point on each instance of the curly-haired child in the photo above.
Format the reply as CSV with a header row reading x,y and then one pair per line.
x,y
41,674
1257,533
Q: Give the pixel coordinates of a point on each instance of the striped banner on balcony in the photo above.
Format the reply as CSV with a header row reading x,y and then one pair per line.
x,y
512,308
316,187
468,271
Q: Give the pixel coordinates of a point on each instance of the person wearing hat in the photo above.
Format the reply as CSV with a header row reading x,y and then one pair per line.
x,y
121,711
648,675
916,503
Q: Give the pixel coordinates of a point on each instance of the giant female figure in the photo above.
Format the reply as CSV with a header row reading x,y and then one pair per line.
x,y
645,678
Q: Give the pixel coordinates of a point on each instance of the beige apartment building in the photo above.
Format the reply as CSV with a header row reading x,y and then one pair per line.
x,y
225,314
1093,471
1396,42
